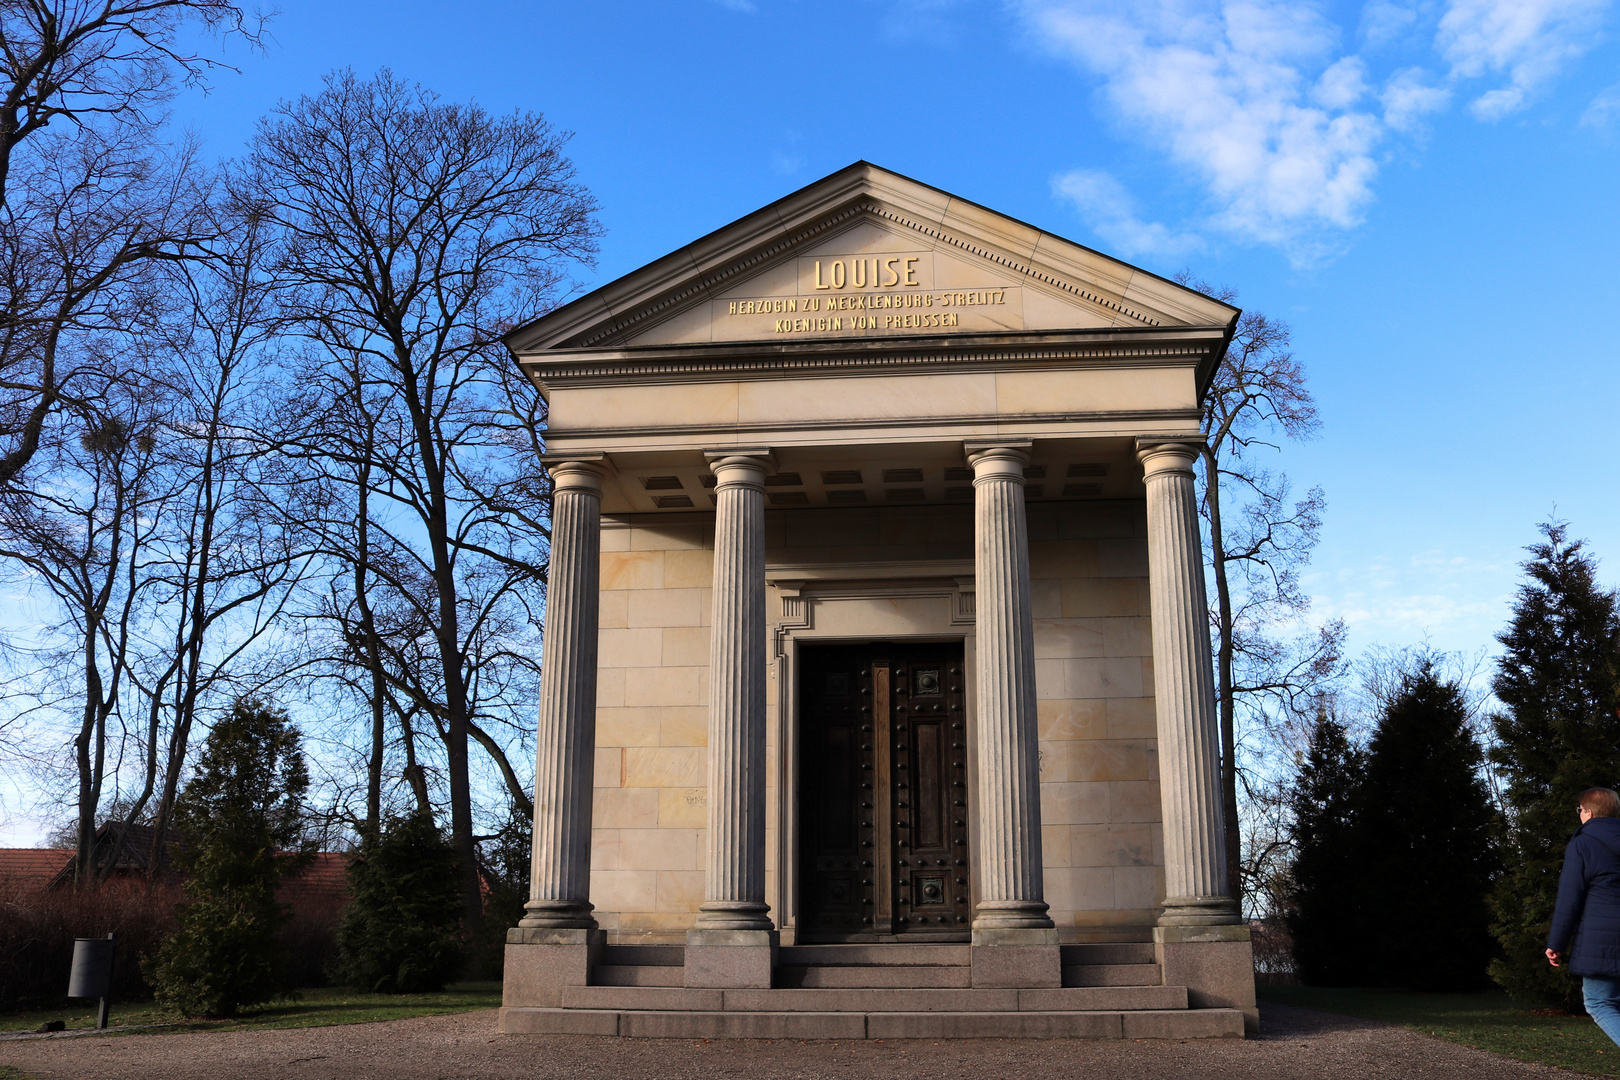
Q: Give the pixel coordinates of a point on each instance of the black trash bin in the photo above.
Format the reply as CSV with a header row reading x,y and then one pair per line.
x,y
92,972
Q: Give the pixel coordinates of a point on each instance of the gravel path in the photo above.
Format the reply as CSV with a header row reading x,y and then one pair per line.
x,y
1299,1044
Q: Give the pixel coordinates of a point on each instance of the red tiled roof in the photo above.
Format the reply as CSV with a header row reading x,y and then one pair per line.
x,y
323,886
31,866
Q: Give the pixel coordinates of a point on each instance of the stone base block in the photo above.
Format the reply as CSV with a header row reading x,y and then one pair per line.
x,y
1214,963
540,963
730,959
1173,1024
558,1022
738,1025
1024,959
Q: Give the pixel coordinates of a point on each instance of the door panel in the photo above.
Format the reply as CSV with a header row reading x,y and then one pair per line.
x,y
930,793
836,704
883,793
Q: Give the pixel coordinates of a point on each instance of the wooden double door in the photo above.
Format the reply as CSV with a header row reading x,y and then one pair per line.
x,y
883,804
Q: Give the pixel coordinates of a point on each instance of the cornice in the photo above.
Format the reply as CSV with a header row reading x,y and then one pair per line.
x,y
972,421
588,367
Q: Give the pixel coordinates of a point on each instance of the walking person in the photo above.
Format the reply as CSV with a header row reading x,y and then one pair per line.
x,y
1586,921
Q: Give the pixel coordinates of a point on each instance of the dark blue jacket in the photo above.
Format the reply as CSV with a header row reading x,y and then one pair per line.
x,y
1589,901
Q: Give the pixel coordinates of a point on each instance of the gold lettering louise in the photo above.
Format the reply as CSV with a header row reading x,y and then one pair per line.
x,y
839,276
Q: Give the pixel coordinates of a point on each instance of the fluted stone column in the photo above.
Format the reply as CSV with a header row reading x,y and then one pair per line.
x,y
1184,693
734,941
1009,781
557,942
1014,942
559,877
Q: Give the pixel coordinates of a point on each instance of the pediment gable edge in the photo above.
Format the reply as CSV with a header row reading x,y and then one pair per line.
x,y
624,323
625,312
706,282
1027,268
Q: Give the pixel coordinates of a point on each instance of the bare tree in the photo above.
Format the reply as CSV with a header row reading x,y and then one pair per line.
x,y
157,531
413,232
1260,538
93,220
232,560
82,61
86,203
86,536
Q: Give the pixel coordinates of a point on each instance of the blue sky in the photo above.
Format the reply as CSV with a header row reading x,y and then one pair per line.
x,y
1426,191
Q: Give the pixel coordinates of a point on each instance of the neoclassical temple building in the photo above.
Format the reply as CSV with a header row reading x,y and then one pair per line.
x,y
877,694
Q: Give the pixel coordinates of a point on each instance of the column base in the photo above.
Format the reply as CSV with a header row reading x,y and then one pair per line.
x,y
1214,963
1011,915
1200,911
541,961
1022,958
734,915
557,915
730,959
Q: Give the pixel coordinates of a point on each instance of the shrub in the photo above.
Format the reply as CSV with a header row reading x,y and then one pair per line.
x,y
239,813
401,933
38,925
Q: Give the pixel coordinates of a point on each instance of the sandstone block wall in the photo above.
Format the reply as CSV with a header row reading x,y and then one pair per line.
x,y
1101,841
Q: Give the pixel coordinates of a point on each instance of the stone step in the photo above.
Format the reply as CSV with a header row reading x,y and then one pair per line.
x,y
875,976
1108,953
874,955
1102,1024
638,975
644,955
787,999
1112,975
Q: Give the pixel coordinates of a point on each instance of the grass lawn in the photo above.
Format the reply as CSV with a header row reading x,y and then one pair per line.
x,y
1487,1021
312,1008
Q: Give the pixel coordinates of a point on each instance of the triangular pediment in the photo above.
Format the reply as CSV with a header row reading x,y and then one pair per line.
x,y
866,253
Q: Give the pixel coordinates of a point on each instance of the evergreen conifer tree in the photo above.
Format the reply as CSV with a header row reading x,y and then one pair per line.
x,y
1426,852
1559,680
401,932
1326,916
236,819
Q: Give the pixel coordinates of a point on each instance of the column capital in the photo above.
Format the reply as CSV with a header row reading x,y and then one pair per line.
x,y
1161,454
997,459
746,466
577,472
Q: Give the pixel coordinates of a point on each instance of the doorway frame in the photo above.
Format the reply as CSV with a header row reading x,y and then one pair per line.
x,y
855,603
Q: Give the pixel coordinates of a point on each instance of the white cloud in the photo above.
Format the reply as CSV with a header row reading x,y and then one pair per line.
x,y
1247,96
1342,85
1529,41
1409,96
1383,22
1110,211
1604,109
1438,595
906,20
